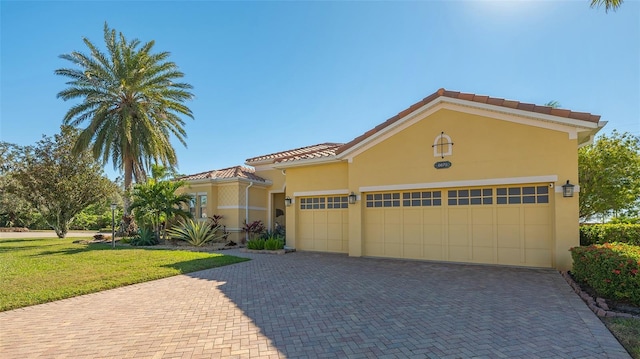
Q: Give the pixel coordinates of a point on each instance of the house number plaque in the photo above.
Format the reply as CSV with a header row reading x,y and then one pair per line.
x,y
442,164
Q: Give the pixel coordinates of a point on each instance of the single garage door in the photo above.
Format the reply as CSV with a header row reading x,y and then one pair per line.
x,y
323,224
497,225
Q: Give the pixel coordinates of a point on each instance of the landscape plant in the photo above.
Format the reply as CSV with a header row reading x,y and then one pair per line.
x,y
256,244
253,229
145,237
611,269
157,201
273,243
196,233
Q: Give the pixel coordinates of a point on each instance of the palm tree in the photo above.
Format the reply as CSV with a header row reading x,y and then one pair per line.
x,y
608,4
157,200
553,104
131,104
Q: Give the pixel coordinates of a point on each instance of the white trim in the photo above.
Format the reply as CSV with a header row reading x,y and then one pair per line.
x,y
519,117
468,183
243,207
267,167
437,146
522,113
307,162
320,193
228,181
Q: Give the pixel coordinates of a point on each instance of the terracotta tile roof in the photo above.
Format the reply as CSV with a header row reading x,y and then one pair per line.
x,y
582,116
225,173
308,152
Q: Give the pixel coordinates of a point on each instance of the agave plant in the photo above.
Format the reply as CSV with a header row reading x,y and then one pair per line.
x,y
195,233
145,237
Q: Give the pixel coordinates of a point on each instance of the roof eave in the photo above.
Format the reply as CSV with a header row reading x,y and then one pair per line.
x,y
266,183
258,162
590,134
522,113
307,162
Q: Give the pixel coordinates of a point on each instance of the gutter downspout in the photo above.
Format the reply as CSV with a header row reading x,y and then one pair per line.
x,y
246,204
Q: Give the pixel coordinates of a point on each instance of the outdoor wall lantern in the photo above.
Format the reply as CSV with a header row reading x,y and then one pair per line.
x,y
352,198
567,189
113,225
287,201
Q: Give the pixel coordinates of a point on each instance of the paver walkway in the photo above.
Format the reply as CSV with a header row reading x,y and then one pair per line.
x,y
306,305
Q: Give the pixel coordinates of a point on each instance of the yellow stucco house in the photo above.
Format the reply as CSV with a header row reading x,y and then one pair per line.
x,y
455,177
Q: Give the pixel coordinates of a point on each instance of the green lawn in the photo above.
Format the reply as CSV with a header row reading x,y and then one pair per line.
x,y
627,331
34,271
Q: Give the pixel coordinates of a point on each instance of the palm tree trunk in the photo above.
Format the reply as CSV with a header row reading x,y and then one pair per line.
x,y
128,179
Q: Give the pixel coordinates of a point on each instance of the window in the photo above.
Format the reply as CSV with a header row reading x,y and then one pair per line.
x,y
442,146
337,202
312,203
422,198
476,196
198,205
383,200
203,205
192,205
520,195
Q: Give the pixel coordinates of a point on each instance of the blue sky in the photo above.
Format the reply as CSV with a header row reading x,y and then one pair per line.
x,y
271,76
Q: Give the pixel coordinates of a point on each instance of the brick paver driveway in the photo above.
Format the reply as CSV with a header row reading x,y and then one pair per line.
x,y
306,305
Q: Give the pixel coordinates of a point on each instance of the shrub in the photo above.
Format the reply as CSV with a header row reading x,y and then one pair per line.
x,y
145,237
196,233
610,269
257,244
273,243
608,233
218,228
253,229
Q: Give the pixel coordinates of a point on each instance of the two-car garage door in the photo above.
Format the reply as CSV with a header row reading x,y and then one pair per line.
x,y
499,225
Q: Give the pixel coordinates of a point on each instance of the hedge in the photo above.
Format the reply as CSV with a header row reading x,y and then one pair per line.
x,y
610,269
609,233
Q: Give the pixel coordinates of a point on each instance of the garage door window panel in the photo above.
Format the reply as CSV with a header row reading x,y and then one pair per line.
x,y
421,199
337,202
378,200
464,197
313,203
522,195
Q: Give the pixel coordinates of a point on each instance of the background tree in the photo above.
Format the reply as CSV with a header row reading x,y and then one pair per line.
x,y
59,183
14,210
131,102
608,4
156,201
609,172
